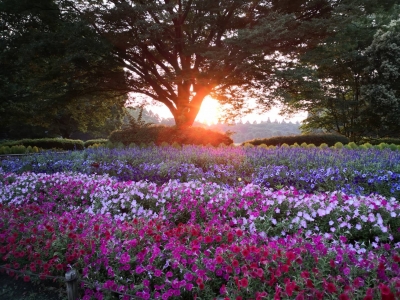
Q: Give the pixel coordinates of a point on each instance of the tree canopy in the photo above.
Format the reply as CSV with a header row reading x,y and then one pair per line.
x,y
177,52
55,72
348,83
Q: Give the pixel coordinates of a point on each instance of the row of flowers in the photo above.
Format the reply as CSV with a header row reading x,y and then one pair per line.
x,y
360,172
179,240
365,219
157,259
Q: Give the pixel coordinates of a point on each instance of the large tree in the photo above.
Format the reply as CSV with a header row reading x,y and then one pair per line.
x,y
56,73
339,83
382,88
179,51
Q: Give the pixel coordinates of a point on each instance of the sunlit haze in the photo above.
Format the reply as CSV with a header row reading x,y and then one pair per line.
x,y
210,112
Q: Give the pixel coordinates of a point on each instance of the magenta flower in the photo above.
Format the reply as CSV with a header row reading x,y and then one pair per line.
x,y
125,258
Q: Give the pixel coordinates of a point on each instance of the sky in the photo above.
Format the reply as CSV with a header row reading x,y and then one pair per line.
x,y
209,113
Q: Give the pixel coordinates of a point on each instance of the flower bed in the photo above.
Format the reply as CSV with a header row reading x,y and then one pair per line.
x,y
360,172
203,237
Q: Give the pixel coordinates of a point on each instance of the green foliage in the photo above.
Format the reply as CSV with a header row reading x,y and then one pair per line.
x,y
352,145
338,145
164,144
316,139
349,83
4,150
263,146
109,145
304,145
64,144
248,145
323,146
176,145
382,146
384,140
170,135
56,75
382,86
97,142
95,146
368,145
17,149
209,49
295,145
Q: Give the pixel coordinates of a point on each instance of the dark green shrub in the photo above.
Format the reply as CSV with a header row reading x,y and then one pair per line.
x,y
47,143
98,142
5,150
164,134
382,140
316,139
18,149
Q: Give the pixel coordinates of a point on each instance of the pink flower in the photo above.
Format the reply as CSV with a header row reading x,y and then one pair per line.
x,y
169,274
331,288
125,258
244,282
139,270
219,259
305,274
208,239
344,296
386,293
222,290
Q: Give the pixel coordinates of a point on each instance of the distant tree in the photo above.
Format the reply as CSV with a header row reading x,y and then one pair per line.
x,y
146,115
178,52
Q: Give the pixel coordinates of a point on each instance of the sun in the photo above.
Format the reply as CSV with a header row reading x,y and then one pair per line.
x,y
209,111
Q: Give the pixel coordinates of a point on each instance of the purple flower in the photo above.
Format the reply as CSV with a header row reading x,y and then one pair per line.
x,y
139,270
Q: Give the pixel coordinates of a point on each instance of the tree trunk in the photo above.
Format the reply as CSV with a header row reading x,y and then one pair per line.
x,y
186,111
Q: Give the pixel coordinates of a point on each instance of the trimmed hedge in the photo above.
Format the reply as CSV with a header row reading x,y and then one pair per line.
x,y
47,143
89,143
316,139
384,140
17,149
170,135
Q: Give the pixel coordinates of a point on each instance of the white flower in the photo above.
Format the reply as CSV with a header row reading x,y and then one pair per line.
x,y
303,223
344,224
